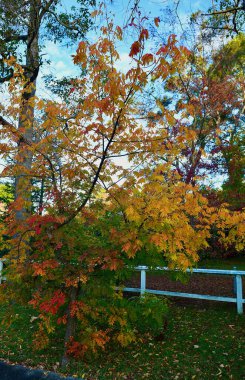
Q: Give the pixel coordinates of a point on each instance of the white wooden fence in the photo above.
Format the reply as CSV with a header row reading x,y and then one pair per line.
x,y
237,274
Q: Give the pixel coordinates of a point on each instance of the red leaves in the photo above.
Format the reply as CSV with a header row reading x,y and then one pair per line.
x,y
112,263
35,300
135,49
137,45
100,338
40,269
163,50
72,90
185,50
38,229
147,58
97,338
119,32
144,35
52,305
169,46
62,320
81,54
38,223
76,349
103,105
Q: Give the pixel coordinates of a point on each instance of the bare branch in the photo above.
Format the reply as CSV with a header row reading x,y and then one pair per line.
x,y
133,11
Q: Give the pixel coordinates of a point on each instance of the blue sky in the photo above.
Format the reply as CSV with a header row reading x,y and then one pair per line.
x,y
61,62
60,56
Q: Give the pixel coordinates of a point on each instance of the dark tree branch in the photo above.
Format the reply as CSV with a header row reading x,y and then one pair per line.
x,y
102,161
231,10
71,27
127,154
5,123
46,8
234,22
16,37
134,9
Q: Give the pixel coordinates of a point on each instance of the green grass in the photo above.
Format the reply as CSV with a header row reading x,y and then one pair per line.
x,y
226,263
196,344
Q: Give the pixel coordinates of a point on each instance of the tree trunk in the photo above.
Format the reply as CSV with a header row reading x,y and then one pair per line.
x,y
70,326
26,118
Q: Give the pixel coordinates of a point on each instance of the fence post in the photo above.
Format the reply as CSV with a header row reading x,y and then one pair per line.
x,y
142,281
234,282
239,294
1,270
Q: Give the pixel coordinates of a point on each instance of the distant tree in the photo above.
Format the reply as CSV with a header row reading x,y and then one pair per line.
x,y
225,17
6,197
229,65
24,28
6,193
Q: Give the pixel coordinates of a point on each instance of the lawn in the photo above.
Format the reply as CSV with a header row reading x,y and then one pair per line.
x,y
195,344
227,263
198,342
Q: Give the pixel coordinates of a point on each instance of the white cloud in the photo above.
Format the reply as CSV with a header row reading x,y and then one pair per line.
x,y
53,50
124,63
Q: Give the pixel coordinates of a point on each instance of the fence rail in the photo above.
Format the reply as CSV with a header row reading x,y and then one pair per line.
x,y
237,274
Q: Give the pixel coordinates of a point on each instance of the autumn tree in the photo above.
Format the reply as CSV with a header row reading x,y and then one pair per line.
x,y
223,18
202,104
99,127
25,26
205,99
229,65
67,260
